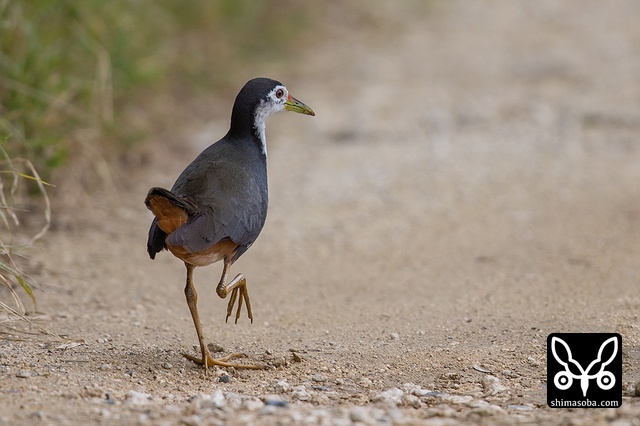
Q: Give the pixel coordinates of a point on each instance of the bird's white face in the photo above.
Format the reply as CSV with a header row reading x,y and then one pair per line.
x,y
272,103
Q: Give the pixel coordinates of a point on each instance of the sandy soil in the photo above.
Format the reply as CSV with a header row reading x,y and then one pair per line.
x,y
469,185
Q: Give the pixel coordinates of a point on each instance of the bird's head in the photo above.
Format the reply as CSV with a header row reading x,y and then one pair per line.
x,y
261,97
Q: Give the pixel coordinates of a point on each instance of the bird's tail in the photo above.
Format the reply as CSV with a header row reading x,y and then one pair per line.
x,y
170,211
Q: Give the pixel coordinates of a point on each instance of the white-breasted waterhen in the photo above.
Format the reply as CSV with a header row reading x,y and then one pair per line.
x,y
218,205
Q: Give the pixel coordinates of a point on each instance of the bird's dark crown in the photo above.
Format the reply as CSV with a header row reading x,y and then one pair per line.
x,y
246,103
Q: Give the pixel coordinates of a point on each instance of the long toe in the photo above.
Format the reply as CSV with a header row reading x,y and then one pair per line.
x,y
223,362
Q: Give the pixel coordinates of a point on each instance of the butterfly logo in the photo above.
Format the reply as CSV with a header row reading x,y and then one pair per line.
x,y
564,379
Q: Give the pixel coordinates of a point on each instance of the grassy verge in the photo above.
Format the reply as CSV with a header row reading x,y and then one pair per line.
x,y
80,74
19,180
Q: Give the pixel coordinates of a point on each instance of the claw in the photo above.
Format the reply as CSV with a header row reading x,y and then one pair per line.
x,y
238,289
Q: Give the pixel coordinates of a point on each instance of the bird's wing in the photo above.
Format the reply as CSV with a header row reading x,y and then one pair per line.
x,y
236,220
229,195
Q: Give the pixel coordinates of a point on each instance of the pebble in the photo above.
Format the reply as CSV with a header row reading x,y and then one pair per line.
x,y
251,403
282,386
105,367
484,408
394,336
454,399
300,393
414,389
520,407
214,400
390,396
319,378
361,414
365,382
410,401
24,374
193,420
138,398
274,401
167,365
492,385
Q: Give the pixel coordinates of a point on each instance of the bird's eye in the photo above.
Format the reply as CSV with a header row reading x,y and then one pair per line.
x,y
279,93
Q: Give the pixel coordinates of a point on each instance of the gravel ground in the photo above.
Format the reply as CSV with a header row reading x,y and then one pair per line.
x,y
468,186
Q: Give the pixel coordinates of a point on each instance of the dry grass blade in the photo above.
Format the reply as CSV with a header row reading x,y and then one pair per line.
x,y
26,319
11,276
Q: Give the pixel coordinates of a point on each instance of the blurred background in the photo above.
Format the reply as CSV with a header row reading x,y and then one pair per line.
x,y
469,184
449,136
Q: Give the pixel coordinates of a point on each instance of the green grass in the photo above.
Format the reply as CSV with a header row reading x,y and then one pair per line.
x,y
74,72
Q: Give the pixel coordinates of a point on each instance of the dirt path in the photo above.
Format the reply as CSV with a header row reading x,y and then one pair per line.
x,y
467,187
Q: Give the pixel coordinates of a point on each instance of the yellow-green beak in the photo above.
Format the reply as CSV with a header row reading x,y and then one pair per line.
x,y
292,104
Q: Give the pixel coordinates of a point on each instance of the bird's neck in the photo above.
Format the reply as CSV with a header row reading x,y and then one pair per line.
x,y
247,125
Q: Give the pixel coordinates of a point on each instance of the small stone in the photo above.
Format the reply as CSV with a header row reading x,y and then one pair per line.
x,y
218,399
454,399
300,393
282,386
365,382
520,407
193,420
320,388
390,396
483,408
274,401
410,401
361,415
215,400
24,374
414,389
492,385
225,378
252,403
38,415
442,411
138,398
105,367
320,399
394,336
167,365
214,348
319,378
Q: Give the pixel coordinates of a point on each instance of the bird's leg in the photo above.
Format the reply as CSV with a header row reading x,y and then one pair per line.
x,y
206,360
237,287
192,302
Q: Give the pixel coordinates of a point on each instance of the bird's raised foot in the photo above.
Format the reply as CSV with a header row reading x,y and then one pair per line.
x,y
238,288
223,362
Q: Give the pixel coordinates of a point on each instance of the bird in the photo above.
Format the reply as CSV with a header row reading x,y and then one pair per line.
x,y
217,206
